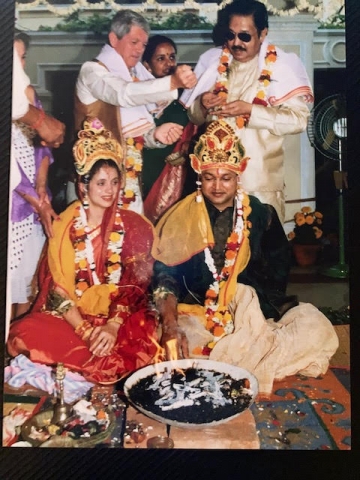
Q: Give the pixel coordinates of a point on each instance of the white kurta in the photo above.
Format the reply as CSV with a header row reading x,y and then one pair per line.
x,y
114,85
264,135
96,83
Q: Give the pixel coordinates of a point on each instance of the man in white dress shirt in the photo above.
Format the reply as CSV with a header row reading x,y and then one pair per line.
x,y
117,89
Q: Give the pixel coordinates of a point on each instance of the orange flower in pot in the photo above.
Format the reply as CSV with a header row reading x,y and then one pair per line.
x,y
306,236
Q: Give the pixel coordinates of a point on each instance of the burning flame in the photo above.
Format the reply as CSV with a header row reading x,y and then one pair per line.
x,y
171,346
159,355
172,349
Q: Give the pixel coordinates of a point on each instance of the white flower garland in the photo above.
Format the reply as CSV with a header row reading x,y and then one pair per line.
x,y
238,229
218,315
301,6
84,252
88,253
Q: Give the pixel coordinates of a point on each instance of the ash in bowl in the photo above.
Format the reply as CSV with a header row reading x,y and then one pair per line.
x,y
193,396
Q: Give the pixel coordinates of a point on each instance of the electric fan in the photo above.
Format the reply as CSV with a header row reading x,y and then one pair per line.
x,y
326,131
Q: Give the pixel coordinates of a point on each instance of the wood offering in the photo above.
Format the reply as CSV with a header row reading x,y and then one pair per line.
x,y
192,396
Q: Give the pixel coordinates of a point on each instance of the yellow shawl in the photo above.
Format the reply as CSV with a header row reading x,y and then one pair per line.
x,y
185,230
61,258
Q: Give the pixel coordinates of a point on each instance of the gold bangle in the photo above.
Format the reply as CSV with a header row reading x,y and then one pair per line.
x,y
82,325
86,335
122,309
117,320
84,330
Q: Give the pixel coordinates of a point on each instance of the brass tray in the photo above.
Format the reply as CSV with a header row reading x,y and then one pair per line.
x,y
43,418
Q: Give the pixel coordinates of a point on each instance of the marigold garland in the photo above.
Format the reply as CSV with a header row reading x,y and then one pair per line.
x,y
84,253
300,6
133,168
221,85
219,321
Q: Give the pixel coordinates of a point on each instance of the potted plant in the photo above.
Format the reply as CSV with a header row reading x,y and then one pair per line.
x,y
306,236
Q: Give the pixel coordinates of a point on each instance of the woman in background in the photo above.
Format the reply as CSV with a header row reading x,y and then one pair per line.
x,y
92,312
164,170
31,210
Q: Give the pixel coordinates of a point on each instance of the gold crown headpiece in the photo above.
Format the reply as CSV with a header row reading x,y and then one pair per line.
x,y
219,147
95,143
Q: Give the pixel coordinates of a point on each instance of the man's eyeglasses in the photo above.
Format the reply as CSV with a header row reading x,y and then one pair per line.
x,y
243,36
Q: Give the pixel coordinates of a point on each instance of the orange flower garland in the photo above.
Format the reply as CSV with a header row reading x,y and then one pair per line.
x,y
219,321
265,76
84,254
133,167
221,85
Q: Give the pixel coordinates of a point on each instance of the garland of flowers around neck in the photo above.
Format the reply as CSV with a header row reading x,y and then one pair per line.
x,y
133,167
84,253
133,164
221,85
218,318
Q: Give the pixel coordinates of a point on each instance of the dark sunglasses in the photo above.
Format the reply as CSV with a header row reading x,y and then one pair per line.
x,y
243,36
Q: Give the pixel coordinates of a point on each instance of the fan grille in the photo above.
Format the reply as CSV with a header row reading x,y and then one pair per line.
x,y
320,128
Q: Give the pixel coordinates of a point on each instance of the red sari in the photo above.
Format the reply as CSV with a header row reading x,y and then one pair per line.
x,y
47,338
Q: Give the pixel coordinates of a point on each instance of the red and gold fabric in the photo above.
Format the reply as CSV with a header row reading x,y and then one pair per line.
x,y
47,338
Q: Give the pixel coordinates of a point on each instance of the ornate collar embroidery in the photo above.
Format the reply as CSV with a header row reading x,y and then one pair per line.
x,y
84,253
221,85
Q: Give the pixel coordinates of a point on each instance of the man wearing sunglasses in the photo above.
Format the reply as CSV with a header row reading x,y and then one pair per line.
x,y
260,90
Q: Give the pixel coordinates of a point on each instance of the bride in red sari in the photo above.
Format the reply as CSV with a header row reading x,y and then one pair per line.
x,y
92,312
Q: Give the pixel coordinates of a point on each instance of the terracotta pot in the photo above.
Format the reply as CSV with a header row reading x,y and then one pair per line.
x,y
306,255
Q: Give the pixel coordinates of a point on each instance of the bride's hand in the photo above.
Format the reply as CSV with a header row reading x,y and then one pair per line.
x,y
102,339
